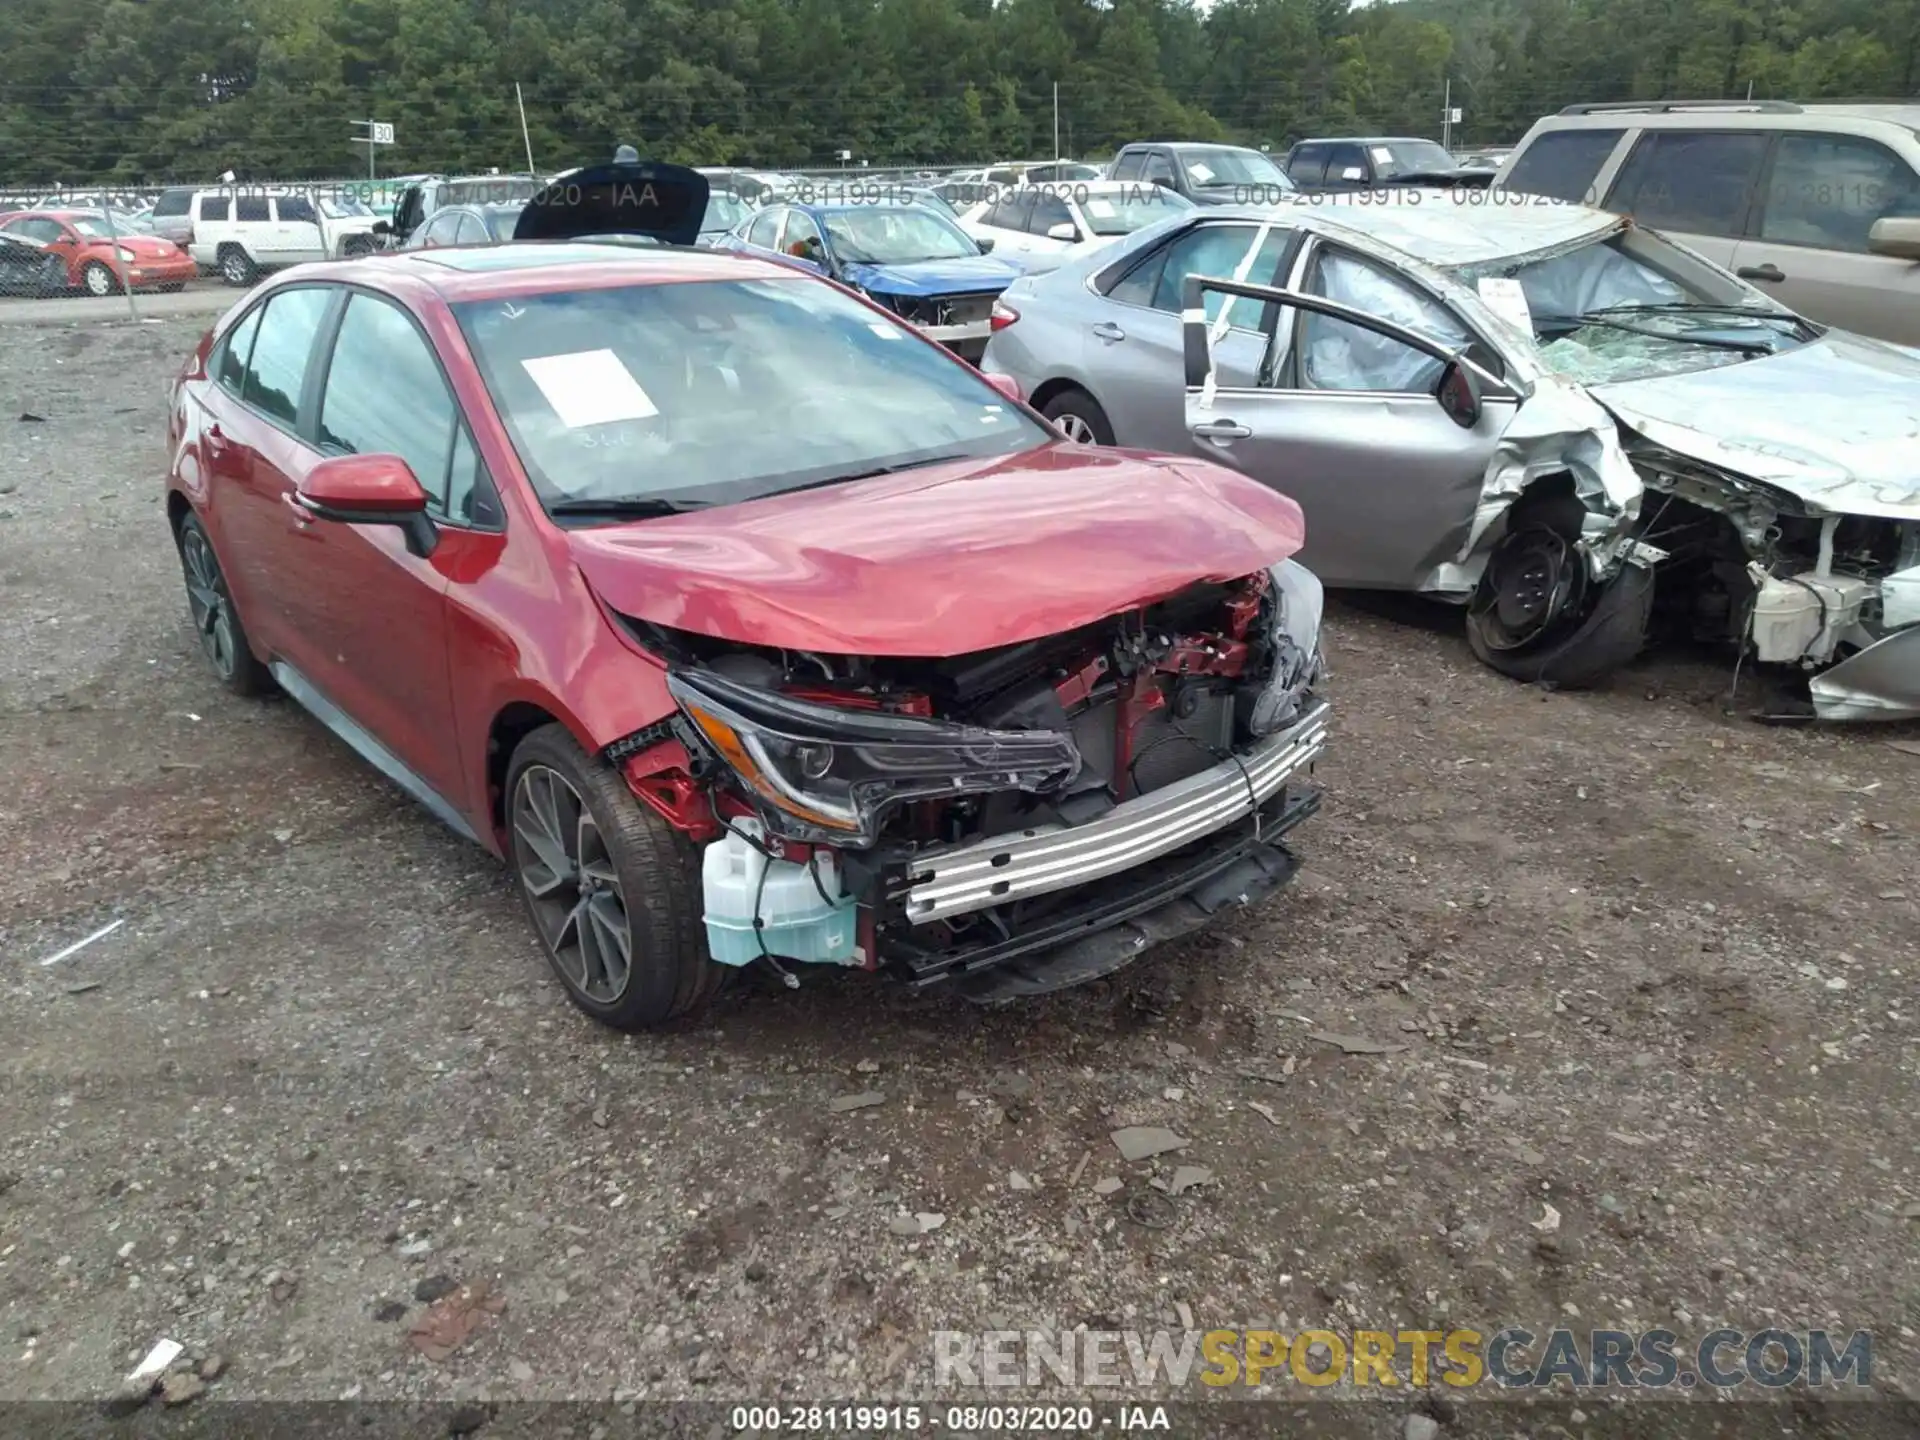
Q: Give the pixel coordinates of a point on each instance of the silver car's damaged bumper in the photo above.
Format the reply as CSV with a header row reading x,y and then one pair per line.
x,y
1881,682
1046,858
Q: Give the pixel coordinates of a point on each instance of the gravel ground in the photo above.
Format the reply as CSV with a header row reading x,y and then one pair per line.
x,y
1634,960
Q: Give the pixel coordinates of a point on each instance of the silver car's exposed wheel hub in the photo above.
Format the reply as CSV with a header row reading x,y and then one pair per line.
x,y
571,884
1076,429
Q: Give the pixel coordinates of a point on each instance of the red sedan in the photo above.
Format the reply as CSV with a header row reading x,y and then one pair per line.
x,y
744,623
101,260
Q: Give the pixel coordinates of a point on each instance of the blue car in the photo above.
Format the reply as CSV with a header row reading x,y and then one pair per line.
x,y
907,257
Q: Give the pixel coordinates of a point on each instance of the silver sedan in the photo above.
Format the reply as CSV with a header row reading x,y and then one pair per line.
x,y
1532,409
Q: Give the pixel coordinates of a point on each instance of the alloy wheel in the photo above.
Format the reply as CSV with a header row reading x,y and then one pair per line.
x,y
208,604
572,886
1076,429
234,268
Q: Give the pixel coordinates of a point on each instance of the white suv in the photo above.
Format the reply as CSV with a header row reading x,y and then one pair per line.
x,y
242,234
1819,205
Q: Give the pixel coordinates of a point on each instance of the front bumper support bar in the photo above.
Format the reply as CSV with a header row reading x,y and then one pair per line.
x,y
1045,858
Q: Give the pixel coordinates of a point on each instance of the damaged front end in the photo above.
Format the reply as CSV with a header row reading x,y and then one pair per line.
x,y
1015,820
1833,596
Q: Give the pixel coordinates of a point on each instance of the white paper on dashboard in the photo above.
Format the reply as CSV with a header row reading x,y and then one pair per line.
x,y
590,387
1506,298
1382,155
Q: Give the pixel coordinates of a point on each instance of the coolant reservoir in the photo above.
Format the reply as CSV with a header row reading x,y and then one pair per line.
x,y
798,922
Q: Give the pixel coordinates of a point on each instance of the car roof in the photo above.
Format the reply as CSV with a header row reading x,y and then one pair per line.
x,y
1438,229
1365,140
525,267
1740,114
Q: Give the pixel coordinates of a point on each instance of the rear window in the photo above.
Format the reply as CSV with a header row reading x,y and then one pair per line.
x,y
250,207
216,207
1562,165
277,369
173,202
709,392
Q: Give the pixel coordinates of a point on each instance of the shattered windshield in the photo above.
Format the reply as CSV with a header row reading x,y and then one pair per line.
x,y
1603,312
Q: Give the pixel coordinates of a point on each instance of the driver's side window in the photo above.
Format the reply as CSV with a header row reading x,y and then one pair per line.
x,y
1336,355
765,229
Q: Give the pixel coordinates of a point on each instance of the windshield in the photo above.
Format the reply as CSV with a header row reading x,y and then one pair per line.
x,y
724,211
1221,165
1611,310
95,226
1409,157
710,392
896,235
1121,212
339,207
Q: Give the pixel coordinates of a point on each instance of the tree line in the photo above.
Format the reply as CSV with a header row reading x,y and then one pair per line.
x,y
156,90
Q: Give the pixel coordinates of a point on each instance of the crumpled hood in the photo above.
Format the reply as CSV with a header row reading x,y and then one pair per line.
x,y
1835,422
966,274
946,560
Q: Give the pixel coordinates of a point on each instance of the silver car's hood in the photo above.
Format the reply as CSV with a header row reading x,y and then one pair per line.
x,y
1835,422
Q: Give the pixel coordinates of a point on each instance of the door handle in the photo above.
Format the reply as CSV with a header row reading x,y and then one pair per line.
x,y
1107,330
1221,430
1761,272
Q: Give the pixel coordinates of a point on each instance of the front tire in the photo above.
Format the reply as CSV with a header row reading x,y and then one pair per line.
x,y
611,889
1080,417
99,280
216,620
1537,616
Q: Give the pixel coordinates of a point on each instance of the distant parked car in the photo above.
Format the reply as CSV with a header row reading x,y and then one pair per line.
x,y
99,258
726,209
420,201
1817,204
1039,226
246,234
172,214
466,225
1487,159
908,258
1205,174
28,268
1362,162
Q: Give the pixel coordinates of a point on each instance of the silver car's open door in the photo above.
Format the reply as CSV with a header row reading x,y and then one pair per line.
x,y
1389,478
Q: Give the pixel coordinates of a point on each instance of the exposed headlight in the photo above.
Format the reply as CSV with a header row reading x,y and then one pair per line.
x,y
1299,602
124,253
827,774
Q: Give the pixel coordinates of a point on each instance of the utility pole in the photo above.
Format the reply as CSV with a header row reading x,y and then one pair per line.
x,y
1056,120
1446,118
519,100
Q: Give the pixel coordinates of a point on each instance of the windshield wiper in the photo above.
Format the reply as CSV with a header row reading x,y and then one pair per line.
x,y
875,473
629,507
1599,318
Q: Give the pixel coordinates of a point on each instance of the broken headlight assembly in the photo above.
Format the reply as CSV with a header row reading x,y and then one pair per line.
x,y
1299,602
823,774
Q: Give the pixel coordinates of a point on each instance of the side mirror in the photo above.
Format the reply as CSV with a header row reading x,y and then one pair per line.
x,y
1896,235
1459,395
1007,386
1065,230
370,490
382,227
985,242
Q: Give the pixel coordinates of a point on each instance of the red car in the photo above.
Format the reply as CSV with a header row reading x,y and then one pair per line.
x,y
746,624
102,261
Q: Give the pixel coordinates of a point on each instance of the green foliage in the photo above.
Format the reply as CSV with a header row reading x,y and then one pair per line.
x,y
147,90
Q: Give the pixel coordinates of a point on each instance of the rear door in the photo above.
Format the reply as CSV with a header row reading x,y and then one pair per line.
x,y
1049,212
1809,244
253,450
1699,186
1005,221
1346,421
1134,345
1307,165
257,232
